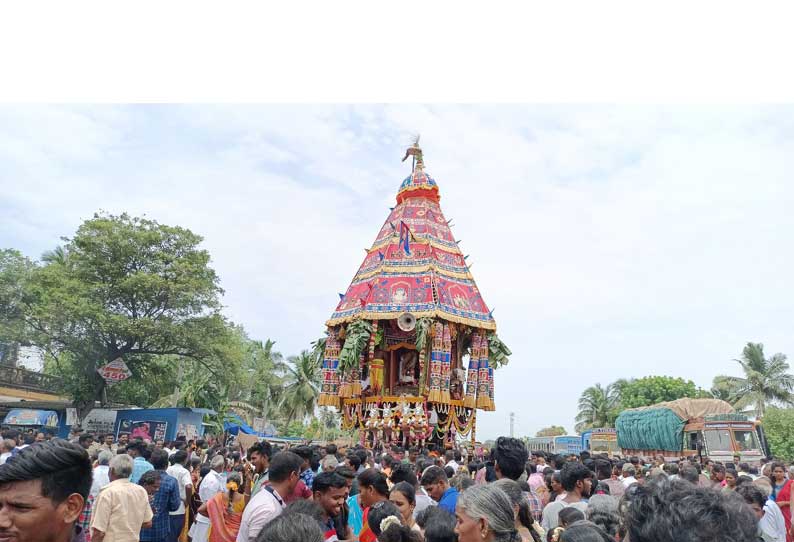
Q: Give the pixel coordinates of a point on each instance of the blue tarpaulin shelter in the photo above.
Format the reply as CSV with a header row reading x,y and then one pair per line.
x,y
234,424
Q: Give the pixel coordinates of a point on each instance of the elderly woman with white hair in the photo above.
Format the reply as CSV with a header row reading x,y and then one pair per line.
x,y
485,514
329,463
212,484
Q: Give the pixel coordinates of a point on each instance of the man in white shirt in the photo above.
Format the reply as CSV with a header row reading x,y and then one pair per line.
x,y
577,480
185,483
267,504
771,525
5,448
628,475
212,484
450,458
101,476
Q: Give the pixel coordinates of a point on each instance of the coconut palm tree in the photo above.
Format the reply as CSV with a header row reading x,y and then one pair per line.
x,y
597,406
302,386
267,371
765,380
57,255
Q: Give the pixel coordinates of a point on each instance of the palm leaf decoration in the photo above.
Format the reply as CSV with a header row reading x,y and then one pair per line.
x,y
498,352
356,340
422,329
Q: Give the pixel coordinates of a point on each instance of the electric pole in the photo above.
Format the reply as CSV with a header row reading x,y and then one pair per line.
x,y
512,423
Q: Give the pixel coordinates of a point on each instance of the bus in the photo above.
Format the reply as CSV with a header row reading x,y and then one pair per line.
x,y
562,444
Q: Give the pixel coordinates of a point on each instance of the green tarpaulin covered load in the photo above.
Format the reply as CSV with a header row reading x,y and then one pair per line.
x,y
661,426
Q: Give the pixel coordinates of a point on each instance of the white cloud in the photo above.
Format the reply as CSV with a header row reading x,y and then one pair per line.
x,y
612,241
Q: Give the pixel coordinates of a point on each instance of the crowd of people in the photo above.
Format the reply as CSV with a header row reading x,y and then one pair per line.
x,y
103,490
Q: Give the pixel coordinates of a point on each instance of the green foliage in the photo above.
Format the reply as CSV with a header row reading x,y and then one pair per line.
x,y
598,407
551,431
318,349
765,380
265,375
15,273
122,287
779,427
290,428
422,330
326,426
356,340
498,352
655,389
302,386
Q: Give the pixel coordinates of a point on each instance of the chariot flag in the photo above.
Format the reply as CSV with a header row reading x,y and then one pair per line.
x,y
405,238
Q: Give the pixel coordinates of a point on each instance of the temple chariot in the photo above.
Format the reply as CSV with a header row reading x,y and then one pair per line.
x,y
411,347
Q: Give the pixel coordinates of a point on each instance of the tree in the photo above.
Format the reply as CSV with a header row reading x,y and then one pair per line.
x,y
765,380
266,373
124,287
15,272
302,386
57,255
597,407
551,431
779,428
656,389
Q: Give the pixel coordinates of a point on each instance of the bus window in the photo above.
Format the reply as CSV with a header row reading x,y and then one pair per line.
x,y
718,440
745,440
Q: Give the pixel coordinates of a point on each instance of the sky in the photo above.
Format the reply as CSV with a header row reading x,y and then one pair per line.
x,y
611,241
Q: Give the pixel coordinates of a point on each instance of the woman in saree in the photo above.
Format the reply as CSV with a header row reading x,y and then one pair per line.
x,y
225,510
782,494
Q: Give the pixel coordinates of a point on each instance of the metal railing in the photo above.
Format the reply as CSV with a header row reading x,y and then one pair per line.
x,y
17,377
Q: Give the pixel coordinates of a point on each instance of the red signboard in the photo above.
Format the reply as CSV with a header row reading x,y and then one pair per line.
x,y
115,371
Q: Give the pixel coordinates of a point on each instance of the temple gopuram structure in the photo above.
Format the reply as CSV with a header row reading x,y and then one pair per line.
x,y
411,347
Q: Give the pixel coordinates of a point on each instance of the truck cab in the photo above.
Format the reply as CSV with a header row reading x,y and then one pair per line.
x,y
721,437
601,441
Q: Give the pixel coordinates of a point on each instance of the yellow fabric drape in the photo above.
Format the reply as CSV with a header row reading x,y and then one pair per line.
x,y
376,375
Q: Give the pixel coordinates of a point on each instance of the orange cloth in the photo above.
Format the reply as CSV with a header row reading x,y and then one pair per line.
x,y
225,524
366,534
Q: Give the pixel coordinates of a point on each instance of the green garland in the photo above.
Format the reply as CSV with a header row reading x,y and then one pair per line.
x,y
422,329
498,352
356,340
